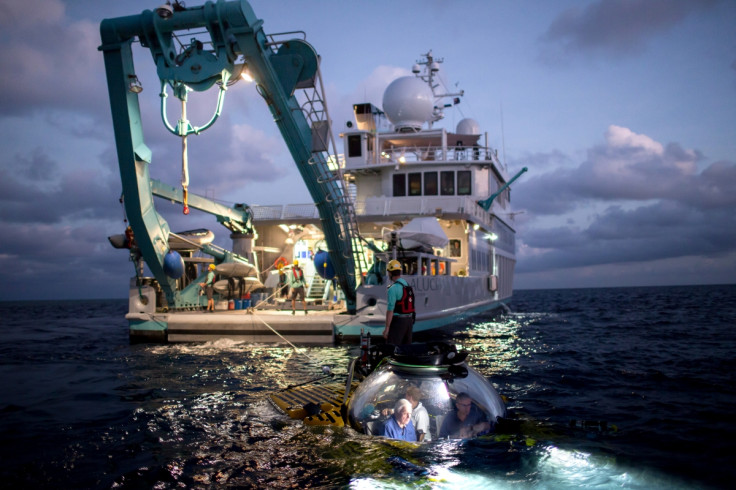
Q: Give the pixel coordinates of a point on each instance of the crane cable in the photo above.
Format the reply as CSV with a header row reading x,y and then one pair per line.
x,y
184,159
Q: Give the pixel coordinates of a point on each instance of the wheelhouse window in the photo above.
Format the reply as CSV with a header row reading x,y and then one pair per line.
x,y
430,183
447,183
463,183
415,184
399,185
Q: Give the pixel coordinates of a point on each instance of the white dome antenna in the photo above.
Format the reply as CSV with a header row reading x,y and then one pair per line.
x,y
468,126
408,103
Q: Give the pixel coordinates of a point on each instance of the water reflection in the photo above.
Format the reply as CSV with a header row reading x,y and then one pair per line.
x,y
209,422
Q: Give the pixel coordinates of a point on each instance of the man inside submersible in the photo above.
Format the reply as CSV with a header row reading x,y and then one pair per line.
x,y
400,425
466,421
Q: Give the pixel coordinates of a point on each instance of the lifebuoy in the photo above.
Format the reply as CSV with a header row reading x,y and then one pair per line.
x,y
280,262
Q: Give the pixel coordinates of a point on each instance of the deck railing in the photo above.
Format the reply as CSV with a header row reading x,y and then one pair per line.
x,y
380,206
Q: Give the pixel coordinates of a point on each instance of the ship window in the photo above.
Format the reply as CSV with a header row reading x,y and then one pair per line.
x,y
430,183
354,146
455,250
447,183
415,184
463,183
399,185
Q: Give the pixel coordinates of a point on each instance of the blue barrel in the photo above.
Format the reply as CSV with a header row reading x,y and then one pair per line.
x,y
173,265
246,303
323,265
238,304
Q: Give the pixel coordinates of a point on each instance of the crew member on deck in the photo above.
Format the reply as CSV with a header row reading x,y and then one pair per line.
x,y
283,283
297,286
399,322
209,288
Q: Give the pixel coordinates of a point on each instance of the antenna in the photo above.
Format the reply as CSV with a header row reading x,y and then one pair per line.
x,y
503,139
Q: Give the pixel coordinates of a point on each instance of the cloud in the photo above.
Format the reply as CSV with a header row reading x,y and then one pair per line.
x,y
630,167
48,61
60,262
33,190
613,28
29,13
648,233
640,199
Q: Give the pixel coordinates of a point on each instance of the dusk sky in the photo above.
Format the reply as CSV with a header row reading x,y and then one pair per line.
x,y
623,111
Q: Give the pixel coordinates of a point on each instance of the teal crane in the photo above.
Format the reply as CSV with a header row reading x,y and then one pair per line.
x,y
237,44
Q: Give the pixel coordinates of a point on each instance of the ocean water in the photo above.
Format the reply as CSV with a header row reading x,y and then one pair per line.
x,y
614,388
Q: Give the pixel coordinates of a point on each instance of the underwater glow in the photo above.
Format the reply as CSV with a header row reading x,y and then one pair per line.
x,y
551,468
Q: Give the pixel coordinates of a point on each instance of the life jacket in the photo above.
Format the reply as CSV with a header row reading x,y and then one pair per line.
x,y
299,277
405,305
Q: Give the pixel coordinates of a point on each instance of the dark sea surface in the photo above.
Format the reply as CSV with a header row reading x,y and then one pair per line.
x,y
647,377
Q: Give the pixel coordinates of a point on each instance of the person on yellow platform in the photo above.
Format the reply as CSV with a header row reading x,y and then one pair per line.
x,y
400,312
297,286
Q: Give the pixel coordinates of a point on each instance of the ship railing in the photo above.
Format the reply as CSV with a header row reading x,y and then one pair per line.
x,y
285,212
434,154
464,206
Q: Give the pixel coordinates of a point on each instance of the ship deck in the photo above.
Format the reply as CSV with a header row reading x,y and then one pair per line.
x,y
263,325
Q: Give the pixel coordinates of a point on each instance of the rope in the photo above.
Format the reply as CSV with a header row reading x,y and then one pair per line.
x,y
325,368
269,297
330,375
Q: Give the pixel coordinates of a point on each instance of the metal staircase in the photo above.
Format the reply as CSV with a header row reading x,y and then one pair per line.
x,y
317,288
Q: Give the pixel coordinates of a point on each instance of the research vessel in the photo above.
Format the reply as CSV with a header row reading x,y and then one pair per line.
x,y
400,186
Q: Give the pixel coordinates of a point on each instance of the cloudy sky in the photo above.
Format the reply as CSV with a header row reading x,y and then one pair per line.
x,y
623,111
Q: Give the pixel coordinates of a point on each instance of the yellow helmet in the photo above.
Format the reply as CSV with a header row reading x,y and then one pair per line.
x,y
212,267
394,265
296,262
